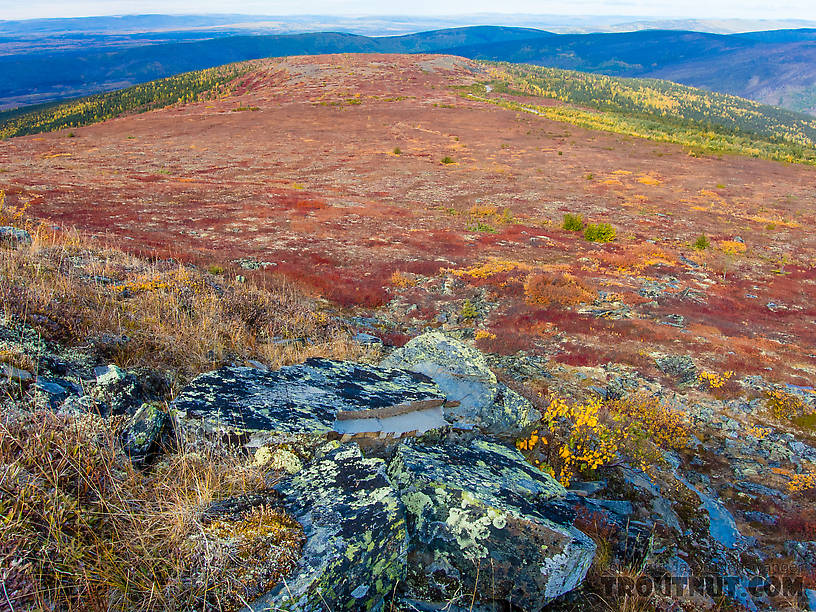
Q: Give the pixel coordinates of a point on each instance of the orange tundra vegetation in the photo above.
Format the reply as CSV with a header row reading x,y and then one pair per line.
x,y
557,289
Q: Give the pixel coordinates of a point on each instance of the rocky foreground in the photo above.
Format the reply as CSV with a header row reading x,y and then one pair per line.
x,y
415,488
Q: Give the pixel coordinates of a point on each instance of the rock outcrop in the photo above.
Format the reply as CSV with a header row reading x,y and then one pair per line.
x,y
464,376
305,399
485,524
356,537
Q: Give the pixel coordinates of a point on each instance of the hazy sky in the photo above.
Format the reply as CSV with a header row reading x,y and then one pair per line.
x,y
750,9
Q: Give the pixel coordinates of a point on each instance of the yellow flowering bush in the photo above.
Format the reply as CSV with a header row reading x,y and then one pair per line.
x,y
760,433
802,482
482,334
575,438
580,437
784,405
712,380
488,269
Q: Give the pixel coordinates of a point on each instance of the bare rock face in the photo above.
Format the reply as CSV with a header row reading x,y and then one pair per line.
x,y
482,520
302,399
463,375
356,538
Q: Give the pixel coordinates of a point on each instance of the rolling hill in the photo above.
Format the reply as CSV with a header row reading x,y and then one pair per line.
x,y
774,67
647,108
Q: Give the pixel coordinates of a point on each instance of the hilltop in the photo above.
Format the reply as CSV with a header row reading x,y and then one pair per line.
x,y
418,311
771,67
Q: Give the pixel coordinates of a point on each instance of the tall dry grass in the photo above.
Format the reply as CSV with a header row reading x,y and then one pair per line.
x,y
82,529
157,313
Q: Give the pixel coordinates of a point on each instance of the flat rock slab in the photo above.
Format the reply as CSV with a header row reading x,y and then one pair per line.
x,y
482,520
356,537
300,399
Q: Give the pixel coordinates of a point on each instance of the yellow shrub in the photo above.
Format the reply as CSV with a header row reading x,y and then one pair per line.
x,y
802,482
402,280
784,405
488,269
732,247
712,380
482,334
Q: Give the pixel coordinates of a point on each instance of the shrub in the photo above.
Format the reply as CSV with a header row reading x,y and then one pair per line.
x,y
468,310
448,160
397,151
215,269
172,316
702,243
573,223
480,226
784,406
580,437
401,280
600,232
560,289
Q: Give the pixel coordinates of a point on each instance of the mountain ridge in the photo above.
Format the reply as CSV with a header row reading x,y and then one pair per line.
x,y
773,67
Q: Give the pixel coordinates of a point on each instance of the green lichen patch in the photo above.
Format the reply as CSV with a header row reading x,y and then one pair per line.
x,y
356,536
482,520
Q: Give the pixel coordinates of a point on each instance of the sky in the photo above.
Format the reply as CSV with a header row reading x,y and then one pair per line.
x,y
703,9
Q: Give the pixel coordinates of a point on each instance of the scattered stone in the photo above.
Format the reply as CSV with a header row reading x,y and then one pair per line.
x,y
482,506
117,391
16,375
52,393
803,552
588,488
14,236
463,375
761,518
367,339
356,538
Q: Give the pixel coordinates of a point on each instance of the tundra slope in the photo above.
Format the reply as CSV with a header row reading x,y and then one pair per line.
x,y
642,342
327,170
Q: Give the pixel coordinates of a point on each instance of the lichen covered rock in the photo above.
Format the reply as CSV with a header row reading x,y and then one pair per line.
x,y
14,236
356,538
142,437
464,376
117,391
482,520
300,399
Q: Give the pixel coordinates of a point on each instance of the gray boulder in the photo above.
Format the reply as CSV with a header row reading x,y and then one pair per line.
x,y
680,367
356,538
51,393
117,391
463,375
15,375
484,521
14,236
142,437
313,398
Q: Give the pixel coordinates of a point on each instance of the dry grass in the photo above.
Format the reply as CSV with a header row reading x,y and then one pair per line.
x,y
84,530
160,314
557,289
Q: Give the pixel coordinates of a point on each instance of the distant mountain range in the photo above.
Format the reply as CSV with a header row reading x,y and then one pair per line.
x,y
774,67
